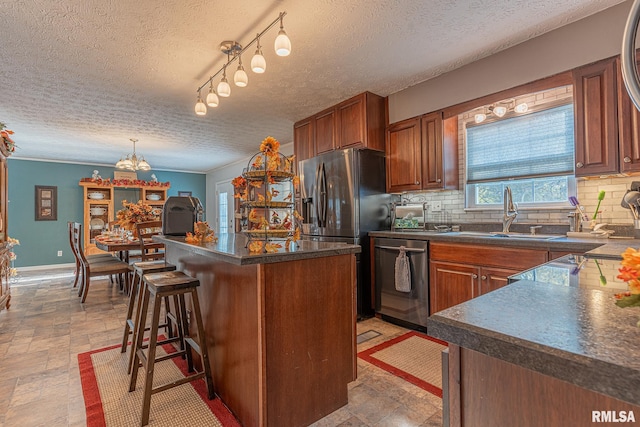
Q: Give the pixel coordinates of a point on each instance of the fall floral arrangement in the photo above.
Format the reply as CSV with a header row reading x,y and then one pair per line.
x,y
126,182
11,242
265,193
8,145
133,213
630,273
202,233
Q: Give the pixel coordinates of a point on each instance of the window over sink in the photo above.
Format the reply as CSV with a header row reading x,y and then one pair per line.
x,y
532,153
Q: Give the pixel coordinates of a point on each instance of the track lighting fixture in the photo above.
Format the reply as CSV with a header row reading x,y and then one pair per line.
x,y
258,63
201,109
234,51
212,97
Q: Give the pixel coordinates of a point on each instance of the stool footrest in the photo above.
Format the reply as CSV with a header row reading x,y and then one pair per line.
x,y
195,345
177,382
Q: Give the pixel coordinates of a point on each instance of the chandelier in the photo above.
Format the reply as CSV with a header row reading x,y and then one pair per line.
x,y
234,51
132,162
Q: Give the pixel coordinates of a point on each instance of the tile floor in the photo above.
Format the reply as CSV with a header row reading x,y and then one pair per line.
x,y
46,327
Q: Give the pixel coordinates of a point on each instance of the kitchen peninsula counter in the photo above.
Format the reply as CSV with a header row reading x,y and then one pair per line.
x,y
539,354
280,327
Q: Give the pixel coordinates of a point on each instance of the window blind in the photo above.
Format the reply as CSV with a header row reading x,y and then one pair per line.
x,y
534,145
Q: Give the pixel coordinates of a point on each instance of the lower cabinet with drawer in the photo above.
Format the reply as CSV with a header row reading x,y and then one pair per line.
x,y
460,272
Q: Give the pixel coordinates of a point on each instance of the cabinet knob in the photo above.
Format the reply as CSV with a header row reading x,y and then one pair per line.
x,y
627,159
474,276
417,182
483,277
438,180
579,165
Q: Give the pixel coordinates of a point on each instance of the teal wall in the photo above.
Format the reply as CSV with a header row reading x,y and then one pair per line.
x,y
40,241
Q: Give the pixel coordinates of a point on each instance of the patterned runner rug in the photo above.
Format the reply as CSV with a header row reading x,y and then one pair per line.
x,y
413,356
108,402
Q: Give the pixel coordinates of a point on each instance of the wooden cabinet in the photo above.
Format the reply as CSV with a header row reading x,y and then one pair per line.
x,y
99,207
451,284
422,154
607,124
5,248
357,122
303,137
628,125
404,156
596,129
325,135
459,272
98,211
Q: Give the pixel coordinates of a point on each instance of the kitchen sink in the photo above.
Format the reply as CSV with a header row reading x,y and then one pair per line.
x,y
510,235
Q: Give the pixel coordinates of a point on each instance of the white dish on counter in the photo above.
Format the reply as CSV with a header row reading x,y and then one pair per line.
x,y
95,195
153,197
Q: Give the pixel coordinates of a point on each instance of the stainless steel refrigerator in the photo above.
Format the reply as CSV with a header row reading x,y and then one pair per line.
x,y
343,198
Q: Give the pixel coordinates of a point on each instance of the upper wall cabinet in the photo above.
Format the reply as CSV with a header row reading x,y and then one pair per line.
x,y
628,126
607,123
596,129
303,132
404,156
357,122
422,154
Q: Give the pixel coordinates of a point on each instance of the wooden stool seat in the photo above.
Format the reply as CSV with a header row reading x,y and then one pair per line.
x,y
161,285
139,270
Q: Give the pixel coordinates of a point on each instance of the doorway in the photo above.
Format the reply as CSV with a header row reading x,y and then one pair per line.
x,y
224,207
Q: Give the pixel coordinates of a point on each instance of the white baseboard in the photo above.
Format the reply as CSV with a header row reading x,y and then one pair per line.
x,y
46,267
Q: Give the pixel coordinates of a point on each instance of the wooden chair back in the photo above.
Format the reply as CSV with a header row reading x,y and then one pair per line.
x,y
76,238
149,249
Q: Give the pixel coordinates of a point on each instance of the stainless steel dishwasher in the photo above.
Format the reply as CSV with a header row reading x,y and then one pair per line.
x,y
406,308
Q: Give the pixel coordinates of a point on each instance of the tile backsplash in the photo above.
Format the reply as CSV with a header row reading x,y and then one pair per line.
x,y
453,211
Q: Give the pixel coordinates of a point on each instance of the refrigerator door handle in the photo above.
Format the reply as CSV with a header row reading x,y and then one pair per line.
x,y
316,195
323,197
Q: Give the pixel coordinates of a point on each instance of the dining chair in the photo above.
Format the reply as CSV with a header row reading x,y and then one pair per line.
x,y
149,249
97,268
91,258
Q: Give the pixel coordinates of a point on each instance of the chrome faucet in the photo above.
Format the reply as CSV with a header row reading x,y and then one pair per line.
x,y
510,210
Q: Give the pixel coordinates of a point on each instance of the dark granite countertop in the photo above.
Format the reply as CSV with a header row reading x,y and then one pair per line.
x,y
573,333
232,249
578,245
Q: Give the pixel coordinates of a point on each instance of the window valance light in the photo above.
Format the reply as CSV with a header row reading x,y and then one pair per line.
x,y
500,109
234,51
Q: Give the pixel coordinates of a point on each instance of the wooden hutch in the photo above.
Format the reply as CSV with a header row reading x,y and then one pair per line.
x,y
99,209
5,247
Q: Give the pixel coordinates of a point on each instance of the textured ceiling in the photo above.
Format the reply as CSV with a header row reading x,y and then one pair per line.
x,y
78,78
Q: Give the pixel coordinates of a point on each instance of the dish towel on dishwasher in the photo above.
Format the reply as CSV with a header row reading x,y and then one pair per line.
x,y
403,272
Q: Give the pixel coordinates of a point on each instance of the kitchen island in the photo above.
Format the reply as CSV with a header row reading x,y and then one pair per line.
x,y
551,349
280,327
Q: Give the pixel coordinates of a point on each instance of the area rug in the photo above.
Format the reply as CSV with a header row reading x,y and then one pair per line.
x,y
413,356
108,402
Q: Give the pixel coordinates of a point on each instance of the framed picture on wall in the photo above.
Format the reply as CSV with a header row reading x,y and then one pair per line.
x,y
46,203
184,193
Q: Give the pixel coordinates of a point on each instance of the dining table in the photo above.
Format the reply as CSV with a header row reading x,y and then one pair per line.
x,y
121,245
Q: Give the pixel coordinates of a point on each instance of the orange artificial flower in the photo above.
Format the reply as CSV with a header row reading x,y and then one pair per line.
x,y
239,182
270,146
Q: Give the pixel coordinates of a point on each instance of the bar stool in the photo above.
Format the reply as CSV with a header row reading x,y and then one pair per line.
x,y
139,270
160,285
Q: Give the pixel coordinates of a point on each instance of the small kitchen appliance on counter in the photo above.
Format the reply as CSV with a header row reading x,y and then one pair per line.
x,y
179,213
408,216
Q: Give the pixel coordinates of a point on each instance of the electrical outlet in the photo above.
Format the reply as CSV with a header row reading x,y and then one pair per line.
x,y
59,253
436,206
